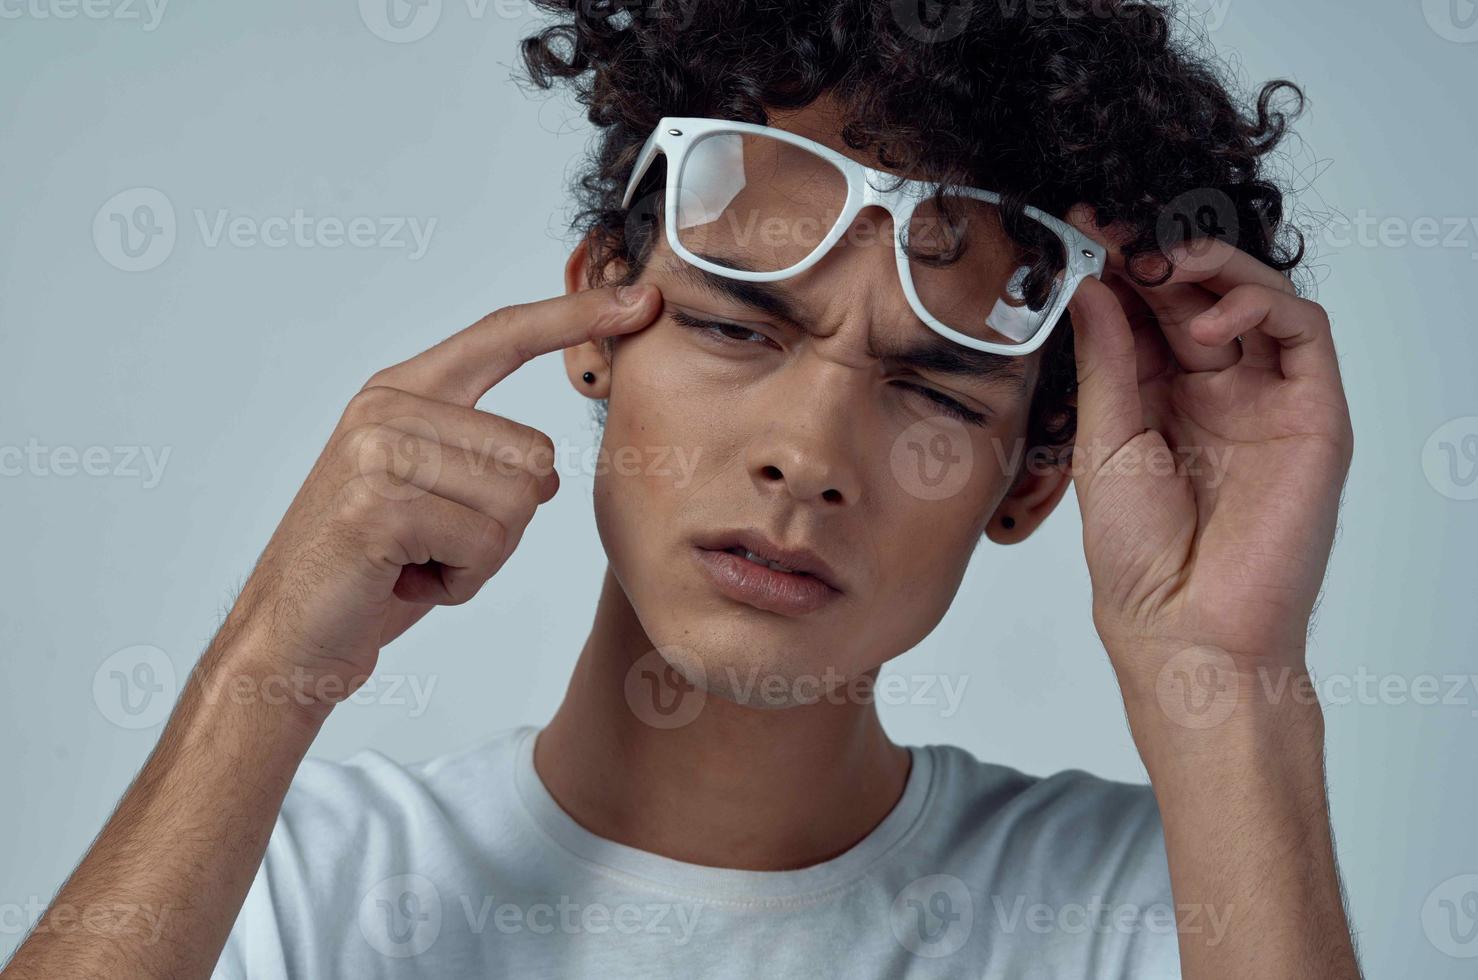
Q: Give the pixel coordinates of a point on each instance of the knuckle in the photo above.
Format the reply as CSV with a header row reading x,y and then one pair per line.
x,y
462,588
462,592
364,441
372,399
1316,313
527,495
1345,440
539,453
491,541
383,378
1251,292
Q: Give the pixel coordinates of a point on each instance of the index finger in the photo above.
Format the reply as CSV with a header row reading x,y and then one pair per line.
x,y
1207,262
1220,267
462,368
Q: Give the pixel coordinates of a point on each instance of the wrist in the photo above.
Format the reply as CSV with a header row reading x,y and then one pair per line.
x,y
1199,704
241,675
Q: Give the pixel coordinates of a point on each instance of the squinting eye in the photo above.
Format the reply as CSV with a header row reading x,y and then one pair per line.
x,y
727,331
951,407
723,331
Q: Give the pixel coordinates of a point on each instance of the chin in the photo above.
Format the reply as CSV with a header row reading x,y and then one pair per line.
x,y
757,664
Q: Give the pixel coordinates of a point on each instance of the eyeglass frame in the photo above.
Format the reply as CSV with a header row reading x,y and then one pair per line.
x,y
675,136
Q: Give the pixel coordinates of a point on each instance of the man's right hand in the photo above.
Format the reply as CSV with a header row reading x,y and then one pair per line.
x,y
418,498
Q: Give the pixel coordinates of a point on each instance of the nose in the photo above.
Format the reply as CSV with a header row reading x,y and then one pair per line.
x,y
807,448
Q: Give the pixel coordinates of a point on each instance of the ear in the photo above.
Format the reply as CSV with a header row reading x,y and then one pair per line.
x,y
592,357
1035,494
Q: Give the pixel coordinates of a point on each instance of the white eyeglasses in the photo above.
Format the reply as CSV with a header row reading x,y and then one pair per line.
x,y
759,204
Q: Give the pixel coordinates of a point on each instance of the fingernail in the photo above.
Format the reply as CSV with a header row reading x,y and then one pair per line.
x,y
630,295
1210,314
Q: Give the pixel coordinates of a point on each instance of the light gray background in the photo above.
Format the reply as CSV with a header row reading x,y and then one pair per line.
x,y
236,360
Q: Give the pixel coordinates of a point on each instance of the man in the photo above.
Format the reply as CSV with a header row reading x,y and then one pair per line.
x,y
716,795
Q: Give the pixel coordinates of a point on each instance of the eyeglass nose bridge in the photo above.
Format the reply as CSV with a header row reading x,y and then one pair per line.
x,y
896,201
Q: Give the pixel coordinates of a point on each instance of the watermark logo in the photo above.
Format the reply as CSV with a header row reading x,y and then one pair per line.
x,y
135,687
661,695
400,457
1192,221
400,21
400,917
933,916
1452,20
1450,459
135,229
1450,916
1198,687
933,458
931,21
407,21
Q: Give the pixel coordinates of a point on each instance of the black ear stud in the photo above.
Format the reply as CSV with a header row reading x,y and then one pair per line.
x,y
588,377
1008,522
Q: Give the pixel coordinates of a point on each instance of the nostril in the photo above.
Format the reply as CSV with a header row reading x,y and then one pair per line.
x,y
772,473
832,496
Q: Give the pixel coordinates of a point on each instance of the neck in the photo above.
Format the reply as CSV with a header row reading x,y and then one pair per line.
x,y
736,787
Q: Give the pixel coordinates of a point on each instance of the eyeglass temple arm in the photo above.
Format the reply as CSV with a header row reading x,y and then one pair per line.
x,y
644,160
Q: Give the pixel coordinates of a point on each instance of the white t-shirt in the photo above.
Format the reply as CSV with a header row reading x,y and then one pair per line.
x,y
465,866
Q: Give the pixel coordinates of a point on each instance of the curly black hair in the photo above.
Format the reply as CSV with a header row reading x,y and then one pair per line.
x,y
1048,102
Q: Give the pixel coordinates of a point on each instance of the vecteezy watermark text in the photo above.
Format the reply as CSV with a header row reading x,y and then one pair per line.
x,y
145,463
407,21
136,230
404,915
110,920
147,12
1103,917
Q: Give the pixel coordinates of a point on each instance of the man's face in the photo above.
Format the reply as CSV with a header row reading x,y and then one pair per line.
x,y
816,422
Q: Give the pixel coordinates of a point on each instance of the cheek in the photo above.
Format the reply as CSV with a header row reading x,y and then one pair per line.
x,y
663,440
922,546
933,493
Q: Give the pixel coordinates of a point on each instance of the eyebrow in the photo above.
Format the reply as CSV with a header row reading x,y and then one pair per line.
x,y
935,354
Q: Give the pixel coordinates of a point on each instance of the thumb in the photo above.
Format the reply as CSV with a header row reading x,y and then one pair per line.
x,y
1109,409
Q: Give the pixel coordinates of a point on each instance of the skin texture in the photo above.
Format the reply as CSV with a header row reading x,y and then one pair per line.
x,y
1191,571
810,446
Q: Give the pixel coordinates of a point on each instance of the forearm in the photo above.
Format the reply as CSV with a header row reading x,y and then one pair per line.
x,y
159,889
1248,838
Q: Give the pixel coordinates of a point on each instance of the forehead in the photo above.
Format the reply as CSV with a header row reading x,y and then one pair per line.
x,y
821,121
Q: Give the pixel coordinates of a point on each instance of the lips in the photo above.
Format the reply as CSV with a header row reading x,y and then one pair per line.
x,y
758,559
756,546
748,567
